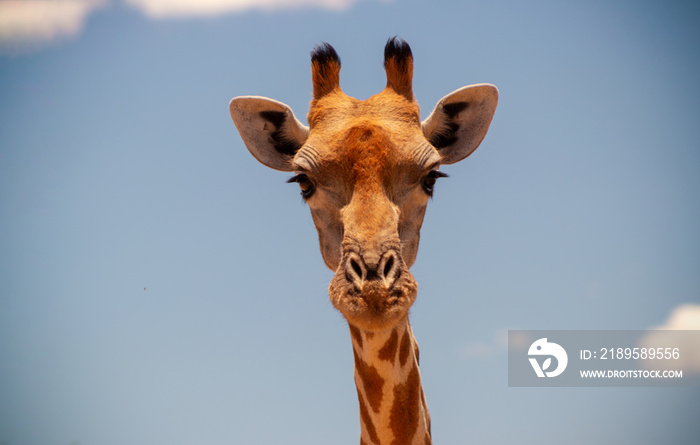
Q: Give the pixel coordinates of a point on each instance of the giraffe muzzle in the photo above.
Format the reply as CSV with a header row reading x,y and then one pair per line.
x,y
373,291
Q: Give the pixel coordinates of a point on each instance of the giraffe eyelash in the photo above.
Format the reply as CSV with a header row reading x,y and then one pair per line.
x,y
307,186
428,182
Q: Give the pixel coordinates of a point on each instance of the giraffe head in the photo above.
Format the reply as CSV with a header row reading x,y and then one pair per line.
x,y
367,169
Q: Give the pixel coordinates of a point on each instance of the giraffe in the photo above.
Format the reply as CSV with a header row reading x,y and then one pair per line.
x,y
367,169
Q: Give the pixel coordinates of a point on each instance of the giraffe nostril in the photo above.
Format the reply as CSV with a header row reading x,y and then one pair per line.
x,y
391,269
356,267
354,270
388,266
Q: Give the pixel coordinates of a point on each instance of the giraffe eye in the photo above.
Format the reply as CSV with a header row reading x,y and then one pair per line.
x,y
428,183
307,187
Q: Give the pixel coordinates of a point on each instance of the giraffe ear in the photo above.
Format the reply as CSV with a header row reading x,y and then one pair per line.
x,y
460,121
269,129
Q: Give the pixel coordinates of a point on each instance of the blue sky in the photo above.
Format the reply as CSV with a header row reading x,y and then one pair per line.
x,y
159,286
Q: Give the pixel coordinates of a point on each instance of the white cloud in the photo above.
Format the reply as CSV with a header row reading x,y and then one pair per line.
x,y
517,340
683,318
160,9
30,23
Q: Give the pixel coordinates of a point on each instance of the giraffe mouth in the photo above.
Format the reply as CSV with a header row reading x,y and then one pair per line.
x,y
369,300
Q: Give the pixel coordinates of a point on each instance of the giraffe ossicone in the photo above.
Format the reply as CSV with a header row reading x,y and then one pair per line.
x,y
366,169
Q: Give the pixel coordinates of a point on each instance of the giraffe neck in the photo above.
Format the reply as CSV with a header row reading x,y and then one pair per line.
x,y
392,404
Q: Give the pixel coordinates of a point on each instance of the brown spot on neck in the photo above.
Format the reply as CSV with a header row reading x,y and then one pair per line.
x,y
404,349
367,420
371,382
388,351
356,335
416,349
405,411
